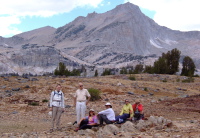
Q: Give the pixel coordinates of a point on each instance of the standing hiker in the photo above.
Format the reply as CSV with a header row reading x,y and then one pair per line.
x,y
81,99
57,106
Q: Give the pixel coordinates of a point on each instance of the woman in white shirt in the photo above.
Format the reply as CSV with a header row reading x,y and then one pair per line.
x,y
57,106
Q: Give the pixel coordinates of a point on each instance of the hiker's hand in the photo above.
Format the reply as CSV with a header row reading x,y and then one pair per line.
x,y
87,102
74,105
51,108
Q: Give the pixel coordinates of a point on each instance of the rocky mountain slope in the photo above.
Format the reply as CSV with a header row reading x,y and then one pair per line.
x,y
171,108
120,37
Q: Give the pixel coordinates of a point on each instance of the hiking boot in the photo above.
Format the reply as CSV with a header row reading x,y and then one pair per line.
x,y
76,129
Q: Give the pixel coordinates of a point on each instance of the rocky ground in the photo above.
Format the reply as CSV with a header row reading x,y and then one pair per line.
x,y
172,108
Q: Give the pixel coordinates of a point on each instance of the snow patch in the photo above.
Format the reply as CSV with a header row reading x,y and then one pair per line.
x,y
154,44
169,42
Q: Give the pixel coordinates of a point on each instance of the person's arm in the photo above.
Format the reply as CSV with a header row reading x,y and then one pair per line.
x,y
133,106
88,96
93,124
51,99
140,108
63,101
88,100
75,99
131,111
104,112
122,111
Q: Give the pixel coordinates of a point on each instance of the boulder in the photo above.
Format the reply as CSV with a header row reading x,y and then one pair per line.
x,y
3,87
27,86
141,125
33,79
128,127
108,131
87,132
153,120
160,120
15,89
132,93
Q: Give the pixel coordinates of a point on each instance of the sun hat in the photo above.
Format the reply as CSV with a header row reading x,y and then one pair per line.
x,y
92,110
107,104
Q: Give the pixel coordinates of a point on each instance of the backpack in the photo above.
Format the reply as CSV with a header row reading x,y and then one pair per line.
x,y
58,94
54,95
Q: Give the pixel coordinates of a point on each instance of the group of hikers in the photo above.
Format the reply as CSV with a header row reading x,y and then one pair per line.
x,y
81,98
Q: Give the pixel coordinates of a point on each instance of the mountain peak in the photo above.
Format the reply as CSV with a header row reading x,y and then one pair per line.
x,y
127,6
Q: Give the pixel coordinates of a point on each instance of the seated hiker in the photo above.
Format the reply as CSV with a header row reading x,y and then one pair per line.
x,y
126,113
88,122
138,110
107,116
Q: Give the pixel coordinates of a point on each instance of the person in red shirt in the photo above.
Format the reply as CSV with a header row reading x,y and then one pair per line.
x,y
138,110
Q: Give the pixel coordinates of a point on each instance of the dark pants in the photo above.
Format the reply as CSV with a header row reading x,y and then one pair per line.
x,y
84,124
122,118
103,118
138,116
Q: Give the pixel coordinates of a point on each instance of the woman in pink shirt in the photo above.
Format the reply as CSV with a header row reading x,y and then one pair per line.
x,y
88,122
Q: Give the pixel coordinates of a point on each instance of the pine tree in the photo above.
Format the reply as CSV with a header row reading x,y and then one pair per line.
x,y
172,60
188,67
160,66
138,69
148,69
96,73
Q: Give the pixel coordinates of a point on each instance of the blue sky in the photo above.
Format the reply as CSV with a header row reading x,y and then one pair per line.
x,y
25,15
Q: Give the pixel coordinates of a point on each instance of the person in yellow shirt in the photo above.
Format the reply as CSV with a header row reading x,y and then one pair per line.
x,y
127,112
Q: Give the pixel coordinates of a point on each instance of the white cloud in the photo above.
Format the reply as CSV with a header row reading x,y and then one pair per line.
x,y
43,7
14,9
175,14
6,23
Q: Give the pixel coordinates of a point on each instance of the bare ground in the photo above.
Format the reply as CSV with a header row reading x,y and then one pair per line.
x,y
173,100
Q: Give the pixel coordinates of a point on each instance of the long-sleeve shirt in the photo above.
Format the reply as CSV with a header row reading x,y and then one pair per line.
x,y
127,109
57,99
110,114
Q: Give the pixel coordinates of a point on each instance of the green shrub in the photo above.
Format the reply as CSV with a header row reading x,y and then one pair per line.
x,y
145,89
34,103
196,75
45,100
131,77
188,80
95,94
